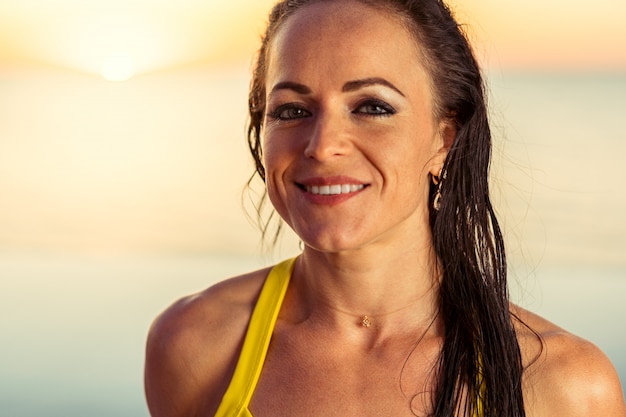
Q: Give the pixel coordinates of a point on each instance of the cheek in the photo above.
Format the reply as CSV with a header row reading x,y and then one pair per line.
x,y
276,162
413,155
271,162
273,188
280,149
269,154
411,165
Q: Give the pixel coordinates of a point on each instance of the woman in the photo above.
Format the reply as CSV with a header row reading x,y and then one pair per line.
x,y
368,125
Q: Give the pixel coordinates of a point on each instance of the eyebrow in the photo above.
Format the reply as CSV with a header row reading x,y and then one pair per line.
x,y
358,84
289,85
348,87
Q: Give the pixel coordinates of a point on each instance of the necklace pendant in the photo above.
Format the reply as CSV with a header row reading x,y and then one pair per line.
x,y
365,322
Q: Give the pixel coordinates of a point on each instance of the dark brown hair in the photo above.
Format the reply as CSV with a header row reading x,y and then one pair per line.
x,y
480,361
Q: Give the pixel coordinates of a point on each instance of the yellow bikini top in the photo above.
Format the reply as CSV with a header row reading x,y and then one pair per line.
x,y
239,393
237,398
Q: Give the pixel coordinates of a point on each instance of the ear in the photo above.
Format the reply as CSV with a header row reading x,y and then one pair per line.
x,y
446,135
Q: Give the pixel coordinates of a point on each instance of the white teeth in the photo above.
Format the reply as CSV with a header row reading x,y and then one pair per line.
x,y
334,189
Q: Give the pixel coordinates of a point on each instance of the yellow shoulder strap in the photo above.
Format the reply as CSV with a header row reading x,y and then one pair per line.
x,y
256,342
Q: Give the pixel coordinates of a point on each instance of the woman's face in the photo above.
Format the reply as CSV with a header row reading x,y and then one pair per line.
x,y
349,135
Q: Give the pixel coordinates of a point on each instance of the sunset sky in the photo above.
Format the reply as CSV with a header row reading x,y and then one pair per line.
x,y
156,34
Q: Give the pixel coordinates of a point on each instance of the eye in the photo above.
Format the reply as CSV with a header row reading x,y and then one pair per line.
x,y
375,108
289,112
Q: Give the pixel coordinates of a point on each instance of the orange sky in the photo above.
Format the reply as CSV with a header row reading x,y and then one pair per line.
x,y
549,34
80,34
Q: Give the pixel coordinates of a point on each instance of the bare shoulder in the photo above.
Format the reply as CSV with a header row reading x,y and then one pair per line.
x,y
565,375
193,346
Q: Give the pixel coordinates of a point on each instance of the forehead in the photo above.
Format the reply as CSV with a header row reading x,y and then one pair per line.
x,y
345,36
349,14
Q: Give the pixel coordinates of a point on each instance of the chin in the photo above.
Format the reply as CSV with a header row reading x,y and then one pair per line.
x,y
333,242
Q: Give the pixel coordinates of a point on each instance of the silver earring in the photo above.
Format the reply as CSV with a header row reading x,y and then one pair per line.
x,y
437,180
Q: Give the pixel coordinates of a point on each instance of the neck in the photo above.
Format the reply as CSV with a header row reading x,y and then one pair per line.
x,y
341,289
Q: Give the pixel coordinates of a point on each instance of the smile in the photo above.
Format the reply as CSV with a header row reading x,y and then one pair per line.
x,y
334,189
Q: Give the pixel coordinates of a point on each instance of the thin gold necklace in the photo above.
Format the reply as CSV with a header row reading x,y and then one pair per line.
x,y
366,320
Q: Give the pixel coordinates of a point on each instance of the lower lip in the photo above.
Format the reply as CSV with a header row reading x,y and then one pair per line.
x,y
330,200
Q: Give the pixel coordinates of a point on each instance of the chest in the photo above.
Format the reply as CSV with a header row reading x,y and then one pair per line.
x,y
304,377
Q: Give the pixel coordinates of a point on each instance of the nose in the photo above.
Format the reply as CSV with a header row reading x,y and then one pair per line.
x,y
328,137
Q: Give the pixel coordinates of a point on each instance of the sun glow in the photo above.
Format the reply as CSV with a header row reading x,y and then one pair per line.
x,y
118,67
89,35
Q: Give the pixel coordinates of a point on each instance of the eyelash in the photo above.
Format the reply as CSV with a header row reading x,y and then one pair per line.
x,y
384,109
381,109
277,114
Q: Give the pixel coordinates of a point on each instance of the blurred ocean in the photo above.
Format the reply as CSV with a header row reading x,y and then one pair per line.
x,y
73,327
